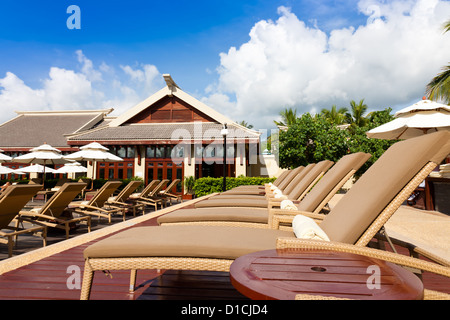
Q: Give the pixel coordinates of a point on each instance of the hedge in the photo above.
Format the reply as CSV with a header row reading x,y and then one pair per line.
x,y
208,185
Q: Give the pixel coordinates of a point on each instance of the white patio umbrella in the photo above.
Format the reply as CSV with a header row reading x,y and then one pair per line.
x,y
44,154
4,157
5,170
34,168
93,152
423,117
73,167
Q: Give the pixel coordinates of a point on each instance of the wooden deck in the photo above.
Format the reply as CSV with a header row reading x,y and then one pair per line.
x,y
47,278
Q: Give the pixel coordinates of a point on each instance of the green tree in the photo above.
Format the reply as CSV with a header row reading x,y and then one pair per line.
x,y
315,138
335,115
439,86
311,139
356,118
245,124
288,117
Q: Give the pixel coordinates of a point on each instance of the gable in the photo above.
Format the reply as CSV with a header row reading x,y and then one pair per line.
x,y
167,110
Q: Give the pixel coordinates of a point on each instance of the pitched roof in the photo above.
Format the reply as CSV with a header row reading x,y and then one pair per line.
x,y
206,131
31,129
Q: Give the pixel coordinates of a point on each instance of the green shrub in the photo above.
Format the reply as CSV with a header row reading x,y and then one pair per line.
x,y
208,185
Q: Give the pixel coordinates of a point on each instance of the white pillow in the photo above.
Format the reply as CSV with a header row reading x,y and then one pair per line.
x,y
288,205
307,228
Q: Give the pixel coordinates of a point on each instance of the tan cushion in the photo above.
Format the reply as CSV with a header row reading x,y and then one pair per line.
x,y
346,164
317,170
354,213
186,241
209,203
216,214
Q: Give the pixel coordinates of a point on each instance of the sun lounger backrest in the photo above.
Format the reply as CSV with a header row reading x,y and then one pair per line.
x,y
149,188
332,181
280,178
14,198
381,183
308,180
171,185
297,179
159,187
103,194
60,200
128,190
292,174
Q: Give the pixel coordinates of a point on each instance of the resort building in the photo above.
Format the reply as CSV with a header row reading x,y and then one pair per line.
x,y
169,135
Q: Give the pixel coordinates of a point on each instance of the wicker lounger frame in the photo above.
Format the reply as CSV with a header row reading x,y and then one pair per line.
x,y
211,264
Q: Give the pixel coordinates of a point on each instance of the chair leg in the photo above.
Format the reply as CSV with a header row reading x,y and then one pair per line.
x,y
86,286
133,276
10,245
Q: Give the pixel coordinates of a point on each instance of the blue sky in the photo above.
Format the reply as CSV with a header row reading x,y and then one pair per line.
x,y
203,45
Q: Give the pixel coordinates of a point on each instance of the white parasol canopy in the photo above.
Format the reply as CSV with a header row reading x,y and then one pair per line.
x,y
6,170
35,168
4,157
423,117
44,154
93,152
74,167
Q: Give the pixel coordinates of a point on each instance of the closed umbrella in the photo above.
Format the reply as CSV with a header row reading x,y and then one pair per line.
x,y
421,118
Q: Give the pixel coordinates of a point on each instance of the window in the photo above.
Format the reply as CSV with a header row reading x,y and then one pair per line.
x,y
131,152
150,152
121,152
159,152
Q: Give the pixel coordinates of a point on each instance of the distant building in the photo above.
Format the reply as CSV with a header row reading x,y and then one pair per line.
x,y
168,135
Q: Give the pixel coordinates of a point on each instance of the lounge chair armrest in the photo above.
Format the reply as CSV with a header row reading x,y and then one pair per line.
x,y
302,244
275,220
312,215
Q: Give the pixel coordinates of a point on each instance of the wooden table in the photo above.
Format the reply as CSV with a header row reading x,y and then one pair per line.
x,y
282,274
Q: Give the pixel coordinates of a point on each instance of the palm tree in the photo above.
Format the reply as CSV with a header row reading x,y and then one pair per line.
x,y
439,86
245,124
288,117
336,116
357,117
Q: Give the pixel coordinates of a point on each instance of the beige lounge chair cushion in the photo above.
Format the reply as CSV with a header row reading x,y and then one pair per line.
x,y
186,241
381,183
253,203
216,214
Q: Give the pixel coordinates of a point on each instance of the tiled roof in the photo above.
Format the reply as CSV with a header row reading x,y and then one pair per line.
x,y
165,131
31,130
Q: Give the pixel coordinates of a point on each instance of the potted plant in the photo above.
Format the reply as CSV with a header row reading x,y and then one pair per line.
x,y
189,187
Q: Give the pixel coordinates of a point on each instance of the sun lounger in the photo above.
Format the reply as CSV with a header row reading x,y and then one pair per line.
x,y
120,201
96,206
50,214
168,195
353,222
313,202
281,183
153,198
13,200
295,190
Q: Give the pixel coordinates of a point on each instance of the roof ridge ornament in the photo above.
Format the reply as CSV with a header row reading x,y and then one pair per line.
x,y
170,82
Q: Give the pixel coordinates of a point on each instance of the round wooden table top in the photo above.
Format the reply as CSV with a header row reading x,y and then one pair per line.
x,y
282,274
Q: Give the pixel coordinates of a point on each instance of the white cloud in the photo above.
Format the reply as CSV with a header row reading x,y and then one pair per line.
x,y
86,88
388,62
